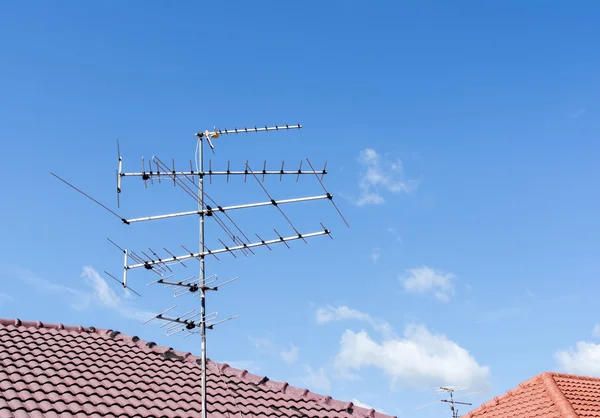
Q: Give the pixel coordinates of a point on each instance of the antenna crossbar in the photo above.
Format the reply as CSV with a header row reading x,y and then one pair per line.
x,y
150,263
455,402
188,321
209,210
217,132
220,173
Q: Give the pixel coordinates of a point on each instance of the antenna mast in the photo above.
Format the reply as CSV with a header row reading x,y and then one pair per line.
x,y
191,321
451,401
200,168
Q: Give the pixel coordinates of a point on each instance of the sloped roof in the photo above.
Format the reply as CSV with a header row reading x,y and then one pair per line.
x,y
55,370
548,395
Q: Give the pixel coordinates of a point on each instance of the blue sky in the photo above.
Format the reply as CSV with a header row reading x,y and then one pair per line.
x,y
461,143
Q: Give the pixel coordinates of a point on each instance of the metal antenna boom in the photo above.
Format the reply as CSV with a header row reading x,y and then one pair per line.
x,y
200,255
217,132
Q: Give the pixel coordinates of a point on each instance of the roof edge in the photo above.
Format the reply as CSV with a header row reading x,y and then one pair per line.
x,y
219,368
565,408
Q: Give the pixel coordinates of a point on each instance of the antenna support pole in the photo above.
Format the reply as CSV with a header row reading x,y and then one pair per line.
x,y
202,277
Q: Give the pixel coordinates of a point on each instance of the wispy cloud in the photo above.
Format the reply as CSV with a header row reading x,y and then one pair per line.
x,y
524,305
5,297
344,313
379,176
109,299
262,343
596,331
375,254
577,113
365,405
394,232
99,294
500,314
317,380
77,299
289,355
329,314
425,280
583,359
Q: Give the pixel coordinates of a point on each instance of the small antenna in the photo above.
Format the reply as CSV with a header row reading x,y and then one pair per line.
x,y
452,401
165,264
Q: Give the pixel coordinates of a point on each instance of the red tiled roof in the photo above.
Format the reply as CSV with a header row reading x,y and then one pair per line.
x,y
548,395
55,370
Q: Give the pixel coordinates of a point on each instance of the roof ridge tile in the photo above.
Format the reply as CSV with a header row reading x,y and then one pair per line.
x,y
497,399
575,376
558,397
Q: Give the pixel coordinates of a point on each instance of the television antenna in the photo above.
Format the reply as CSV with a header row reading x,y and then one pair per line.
x,y
452,401
192,182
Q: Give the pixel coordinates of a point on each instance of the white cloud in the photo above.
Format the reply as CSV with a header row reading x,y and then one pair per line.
x,y
419,359
329,314
288,354
109,299
380,175
101,294
361,404
425,279
317,380
394,232
577,113
291,355
5,297
262,344
105,294
596,331
375,254
366,405
343,313
77,299
584,359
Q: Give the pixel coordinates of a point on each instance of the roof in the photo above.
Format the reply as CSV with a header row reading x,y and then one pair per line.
x,y
51,370
548,395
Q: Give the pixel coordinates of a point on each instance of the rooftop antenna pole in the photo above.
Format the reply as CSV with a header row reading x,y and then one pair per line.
x,y
200,168
190,322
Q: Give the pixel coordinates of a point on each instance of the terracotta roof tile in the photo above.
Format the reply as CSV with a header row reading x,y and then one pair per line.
x,y
53,370
548,395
